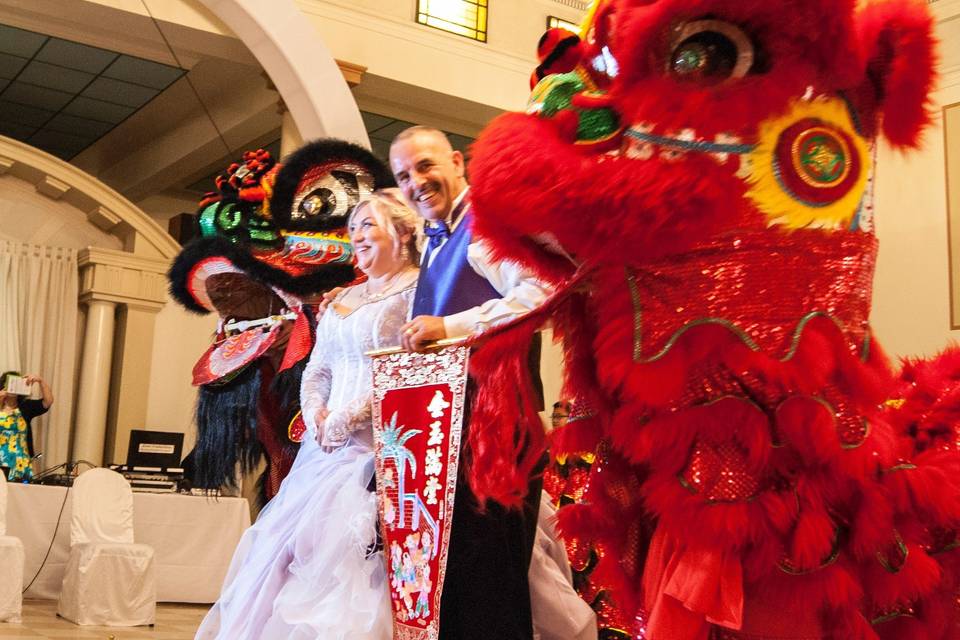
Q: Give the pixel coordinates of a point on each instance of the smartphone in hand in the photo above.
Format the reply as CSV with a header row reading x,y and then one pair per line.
x,y
17,385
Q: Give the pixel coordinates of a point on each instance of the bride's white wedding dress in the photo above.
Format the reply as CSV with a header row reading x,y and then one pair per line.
x,y
305,569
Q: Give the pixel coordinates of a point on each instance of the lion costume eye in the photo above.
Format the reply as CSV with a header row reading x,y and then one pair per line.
x,y
710,52
331,196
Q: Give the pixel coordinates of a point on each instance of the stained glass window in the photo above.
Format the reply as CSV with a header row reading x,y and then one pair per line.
x,y
466,18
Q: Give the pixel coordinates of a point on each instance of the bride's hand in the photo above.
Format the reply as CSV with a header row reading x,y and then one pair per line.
x,y
335,429
320,417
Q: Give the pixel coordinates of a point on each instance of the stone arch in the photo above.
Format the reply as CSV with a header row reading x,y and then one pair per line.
x,y
299,65
104,208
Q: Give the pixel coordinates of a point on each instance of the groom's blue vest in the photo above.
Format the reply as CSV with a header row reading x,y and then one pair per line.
x,y
449,284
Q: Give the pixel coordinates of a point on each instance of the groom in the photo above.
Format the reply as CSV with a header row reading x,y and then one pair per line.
x,y
461,291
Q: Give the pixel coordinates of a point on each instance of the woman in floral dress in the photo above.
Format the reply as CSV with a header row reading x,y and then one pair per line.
x,y
16,438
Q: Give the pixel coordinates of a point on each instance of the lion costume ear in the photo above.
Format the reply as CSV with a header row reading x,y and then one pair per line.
x,y
900,56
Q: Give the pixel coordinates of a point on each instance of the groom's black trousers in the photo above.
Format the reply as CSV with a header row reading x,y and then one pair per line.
x,y
486,594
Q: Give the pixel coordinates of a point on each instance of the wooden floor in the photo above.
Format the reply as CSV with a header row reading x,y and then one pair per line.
x,y
174,622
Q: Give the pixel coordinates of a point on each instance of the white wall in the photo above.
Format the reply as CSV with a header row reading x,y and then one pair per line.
x,y
911,313
383,36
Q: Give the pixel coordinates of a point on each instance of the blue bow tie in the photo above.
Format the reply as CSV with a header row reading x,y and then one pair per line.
x,y
437,233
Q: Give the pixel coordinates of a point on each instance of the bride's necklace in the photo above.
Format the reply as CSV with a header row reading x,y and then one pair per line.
x,y
375,296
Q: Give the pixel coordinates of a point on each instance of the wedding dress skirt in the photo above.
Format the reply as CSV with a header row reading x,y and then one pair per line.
x,y
304,570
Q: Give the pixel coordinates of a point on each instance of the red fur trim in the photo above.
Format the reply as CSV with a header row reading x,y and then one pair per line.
x,y
506,438
546,182
918,577
582,436
929,397
810,426
872,523
814,537
900,60
582,522
929,487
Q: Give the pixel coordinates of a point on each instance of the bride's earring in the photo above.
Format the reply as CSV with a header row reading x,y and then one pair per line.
x,y
405,254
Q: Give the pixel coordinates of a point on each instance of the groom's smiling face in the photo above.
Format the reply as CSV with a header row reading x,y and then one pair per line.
x,y
429,172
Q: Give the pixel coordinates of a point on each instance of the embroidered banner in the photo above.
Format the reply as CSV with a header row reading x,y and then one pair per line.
x,y
417,417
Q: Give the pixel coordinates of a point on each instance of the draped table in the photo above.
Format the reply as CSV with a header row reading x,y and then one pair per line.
x,y
193,539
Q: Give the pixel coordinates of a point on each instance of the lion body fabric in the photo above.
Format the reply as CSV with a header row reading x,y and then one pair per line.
x,y
699,188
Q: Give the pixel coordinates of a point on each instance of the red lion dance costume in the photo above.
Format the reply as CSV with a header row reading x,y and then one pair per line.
x,y
699,188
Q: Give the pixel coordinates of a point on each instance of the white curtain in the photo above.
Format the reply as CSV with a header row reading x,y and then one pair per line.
x,y
38,333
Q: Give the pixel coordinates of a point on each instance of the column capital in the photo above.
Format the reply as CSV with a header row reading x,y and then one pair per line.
x,y
121,277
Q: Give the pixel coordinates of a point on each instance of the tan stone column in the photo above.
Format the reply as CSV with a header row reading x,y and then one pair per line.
x,y
132,360
116,359
91,420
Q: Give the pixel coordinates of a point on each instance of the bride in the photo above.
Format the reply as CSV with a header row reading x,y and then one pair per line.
x,y
307,568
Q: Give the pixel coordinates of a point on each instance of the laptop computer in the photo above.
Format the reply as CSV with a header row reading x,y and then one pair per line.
x,y
155,449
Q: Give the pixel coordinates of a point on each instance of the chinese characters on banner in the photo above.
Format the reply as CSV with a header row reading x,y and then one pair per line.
x,y
417,417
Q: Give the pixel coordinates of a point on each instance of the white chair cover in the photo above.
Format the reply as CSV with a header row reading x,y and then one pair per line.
x,y
102,508
11,563
109,580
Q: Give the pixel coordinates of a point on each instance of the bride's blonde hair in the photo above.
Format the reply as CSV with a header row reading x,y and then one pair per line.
x,y
396,218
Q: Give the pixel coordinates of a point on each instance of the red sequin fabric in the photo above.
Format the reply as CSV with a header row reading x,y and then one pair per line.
x,y
762,284
720,473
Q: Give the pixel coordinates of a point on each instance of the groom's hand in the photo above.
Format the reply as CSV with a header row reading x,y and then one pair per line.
x,y
415,335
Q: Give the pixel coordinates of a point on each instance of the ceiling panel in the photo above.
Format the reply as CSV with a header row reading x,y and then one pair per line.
x,y
143,72
14,130
22,114
74,55
10,65
374,121
19,42
54,77
98,110
63,96
125,93
82,126
34,96
46,139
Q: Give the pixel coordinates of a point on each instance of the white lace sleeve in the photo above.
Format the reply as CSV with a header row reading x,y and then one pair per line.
x,y
315,385
388,331
357,413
